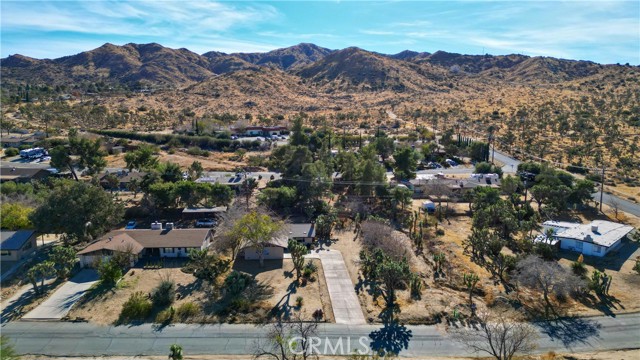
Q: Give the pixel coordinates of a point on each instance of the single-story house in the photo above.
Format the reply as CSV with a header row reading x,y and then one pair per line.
x,y
433,185
202,212
141,243
124,179
304,233
264,130
17,244
274,250
23,174
233,181
597,238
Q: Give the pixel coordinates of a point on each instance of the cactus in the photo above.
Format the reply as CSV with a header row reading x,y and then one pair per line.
x,y
416,287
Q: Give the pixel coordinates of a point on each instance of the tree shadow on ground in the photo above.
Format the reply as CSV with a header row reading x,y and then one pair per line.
x,y
604,303
570,330
187,290
282,310
392,338
17,308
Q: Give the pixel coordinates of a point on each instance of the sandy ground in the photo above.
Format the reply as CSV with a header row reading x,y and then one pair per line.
x,y
280,275
440,298
216,161
105,307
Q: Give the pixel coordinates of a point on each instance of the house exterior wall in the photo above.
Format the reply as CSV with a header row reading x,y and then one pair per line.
x,y
93,259
15,255
305,240
175,252
253,132
269,253
587,248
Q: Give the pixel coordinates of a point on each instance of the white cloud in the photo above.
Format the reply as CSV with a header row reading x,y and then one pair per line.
x,y
140,18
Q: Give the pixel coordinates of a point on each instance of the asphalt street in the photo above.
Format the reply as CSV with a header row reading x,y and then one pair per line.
x,y
84,339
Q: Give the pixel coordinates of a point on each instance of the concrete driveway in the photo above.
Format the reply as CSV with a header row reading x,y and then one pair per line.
x,y
344,301
58,305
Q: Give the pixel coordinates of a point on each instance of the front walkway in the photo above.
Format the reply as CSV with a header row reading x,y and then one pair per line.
x,y
344,301
60,302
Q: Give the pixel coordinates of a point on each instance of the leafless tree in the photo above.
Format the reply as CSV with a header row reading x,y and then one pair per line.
x,y
614,205
378,235
288,341
549,277
497,336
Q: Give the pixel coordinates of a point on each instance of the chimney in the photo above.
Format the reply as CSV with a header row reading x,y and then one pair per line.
x,y
594,228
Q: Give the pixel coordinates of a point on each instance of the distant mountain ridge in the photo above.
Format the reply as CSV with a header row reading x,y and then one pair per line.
x,y
351,69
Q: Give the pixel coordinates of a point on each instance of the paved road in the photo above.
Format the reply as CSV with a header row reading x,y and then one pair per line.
x,y
83,339
59,303
344,301
624,205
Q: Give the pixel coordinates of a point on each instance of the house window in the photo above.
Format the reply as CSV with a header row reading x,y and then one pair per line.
x,y
5,252
168,250
596,249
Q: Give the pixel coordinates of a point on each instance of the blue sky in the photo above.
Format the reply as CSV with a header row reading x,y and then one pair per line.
x,y
601,31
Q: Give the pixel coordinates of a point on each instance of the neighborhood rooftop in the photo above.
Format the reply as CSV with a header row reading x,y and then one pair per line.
x,y
14,240
600,232
144,238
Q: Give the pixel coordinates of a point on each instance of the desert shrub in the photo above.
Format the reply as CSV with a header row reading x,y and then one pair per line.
x,y
578,266
165,293
110,272
236,282
188,310
379,235
137,307
636,267
299,301
239,304
196,151
440,232
11,152
165,316
416,287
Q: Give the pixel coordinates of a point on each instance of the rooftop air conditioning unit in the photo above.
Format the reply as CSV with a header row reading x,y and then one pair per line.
x,y
594,228
156,226
169,226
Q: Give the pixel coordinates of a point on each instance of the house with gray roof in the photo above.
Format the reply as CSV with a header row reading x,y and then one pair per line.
x,y
17,244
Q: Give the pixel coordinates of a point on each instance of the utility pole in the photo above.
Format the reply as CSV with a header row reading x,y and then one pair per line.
x,y
602,188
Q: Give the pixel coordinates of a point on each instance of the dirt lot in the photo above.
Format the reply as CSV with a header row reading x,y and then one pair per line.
x,y
216,161
440,298
103,307
280,275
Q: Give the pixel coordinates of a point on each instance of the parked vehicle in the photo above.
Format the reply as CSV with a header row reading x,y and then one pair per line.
x,y
451,162
206,222
131,225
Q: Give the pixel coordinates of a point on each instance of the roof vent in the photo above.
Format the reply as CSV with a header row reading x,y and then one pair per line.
x,y
588,238
110,238
594,228
169,226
